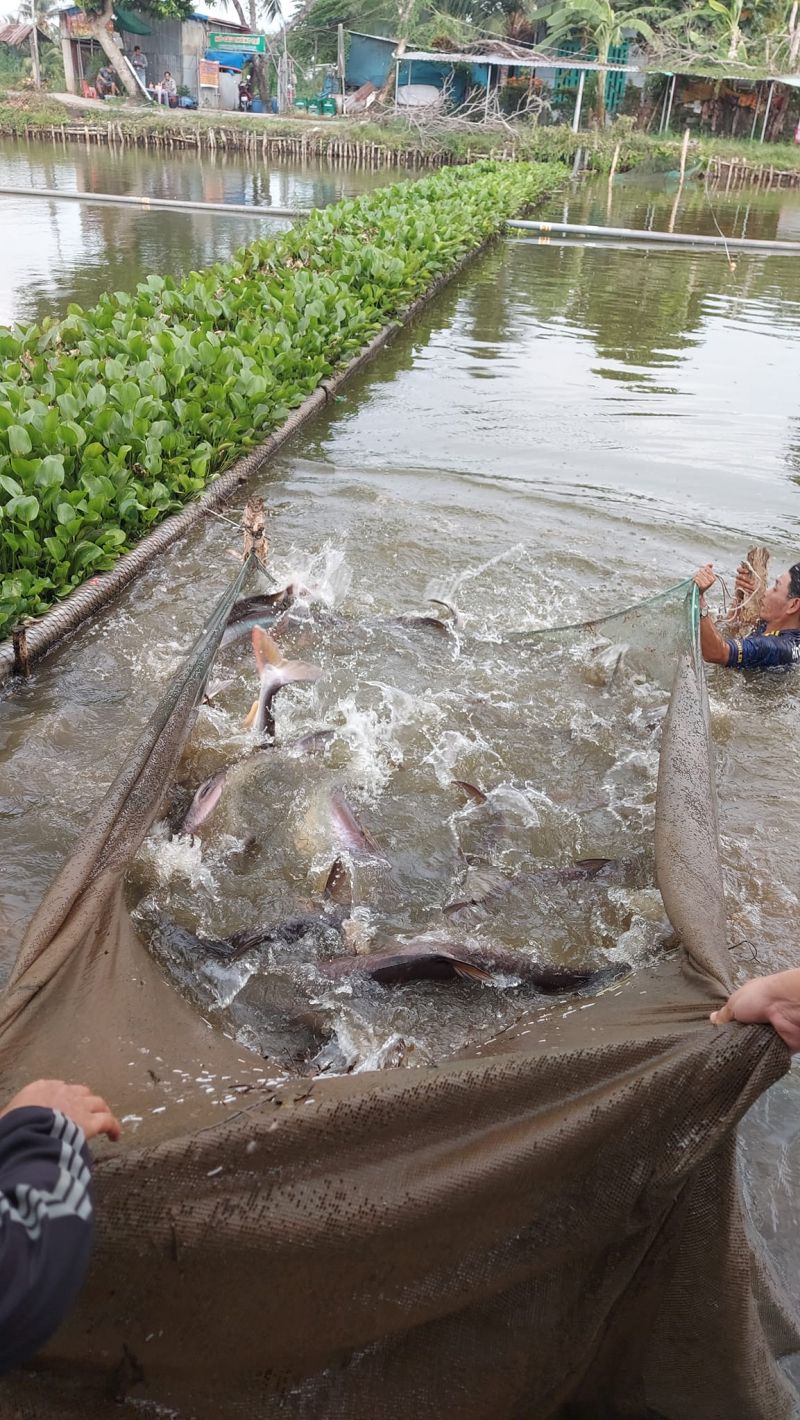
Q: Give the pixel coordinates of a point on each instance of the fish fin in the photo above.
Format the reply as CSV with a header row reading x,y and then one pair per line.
x,y
593,865
295,671
480,884
249,718
468,971
313,743
432,622
351,831
452,907
265,650
471,790
338,886
453,614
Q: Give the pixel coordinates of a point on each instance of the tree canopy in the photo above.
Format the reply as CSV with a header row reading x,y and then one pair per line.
x,y
761,34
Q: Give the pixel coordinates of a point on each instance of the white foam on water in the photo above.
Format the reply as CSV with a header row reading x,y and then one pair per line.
x,y
176,856
452,747
525,803
325,573
373,733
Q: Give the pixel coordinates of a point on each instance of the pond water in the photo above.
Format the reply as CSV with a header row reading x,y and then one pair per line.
x,y
568,428
56,252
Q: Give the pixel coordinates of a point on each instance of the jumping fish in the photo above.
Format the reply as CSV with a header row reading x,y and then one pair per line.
x,y
210,792
253,611
431,959
204,802
275,672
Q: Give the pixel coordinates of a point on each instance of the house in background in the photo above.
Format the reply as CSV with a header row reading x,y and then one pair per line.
x,y
486,65
181,46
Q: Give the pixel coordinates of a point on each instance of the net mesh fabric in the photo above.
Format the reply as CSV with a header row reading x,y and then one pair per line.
x,y
549,1225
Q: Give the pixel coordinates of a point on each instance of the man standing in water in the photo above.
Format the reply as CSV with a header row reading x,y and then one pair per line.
x,y
775,641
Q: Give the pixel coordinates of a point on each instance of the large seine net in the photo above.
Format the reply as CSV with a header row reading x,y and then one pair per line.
x,y
540,1219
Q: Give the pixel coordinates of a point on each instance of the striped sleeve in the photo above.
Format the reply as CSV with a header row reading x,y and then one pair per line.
x,y
762,652
46,1224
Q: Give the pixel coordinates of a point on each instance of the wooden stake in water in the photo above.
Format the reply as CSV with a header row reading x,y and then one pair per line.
x,y
684,151
676,202
614,162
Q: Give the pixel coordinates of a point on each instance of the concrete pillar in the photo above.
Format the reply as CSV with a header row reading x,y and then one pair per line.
x,y
70,77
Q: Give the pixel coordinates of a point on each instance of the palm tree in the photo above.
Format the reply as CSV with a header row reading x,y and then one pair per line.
x,y
602,26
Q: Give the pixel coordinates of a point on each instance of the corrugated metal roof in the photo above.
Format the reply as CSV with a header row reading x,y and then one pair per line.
x,y
15,34
521,57
521,60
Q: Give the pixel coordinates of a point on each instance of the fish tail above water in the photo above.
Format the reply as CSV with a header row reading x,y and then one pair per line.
x,y
275,672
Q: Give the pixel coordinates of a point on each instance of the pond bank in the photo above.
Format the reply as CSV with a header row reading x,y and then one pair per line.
x,y
390,143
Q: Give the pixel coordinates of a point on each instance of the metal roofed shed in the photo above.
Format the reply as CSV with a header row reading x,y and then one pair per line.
x,y
17,33
484,63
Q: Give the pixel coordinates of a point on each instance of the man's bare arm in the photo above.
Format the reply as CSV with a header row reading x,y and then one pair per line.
x,y
715,648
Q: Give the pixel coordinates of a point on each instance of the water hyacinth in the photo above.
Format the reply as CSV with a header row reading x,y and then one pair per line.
x,y
111,419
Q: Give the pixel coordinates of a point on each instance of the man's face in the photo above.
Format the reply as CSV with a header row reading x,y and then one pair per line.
x,y
778,600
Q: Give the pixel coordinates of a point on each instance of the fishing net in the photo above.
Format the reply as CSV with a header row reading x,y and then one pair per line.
x,y
545,1224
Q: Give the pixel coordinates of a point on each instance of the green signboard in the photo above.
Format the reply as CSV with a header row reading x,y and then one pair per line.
x,y
254,44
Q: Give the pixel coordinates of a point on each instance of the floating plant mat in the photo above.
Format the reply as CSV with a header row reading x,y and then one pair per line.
x,y
548,1224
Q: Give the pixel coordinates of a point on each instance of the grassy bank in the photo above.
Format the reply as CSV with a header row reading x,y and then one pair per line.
x,y
389,141
112,418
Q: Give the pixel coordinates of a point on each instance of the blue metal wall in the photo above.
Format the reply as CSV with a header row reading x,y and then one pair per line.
x,y
368,60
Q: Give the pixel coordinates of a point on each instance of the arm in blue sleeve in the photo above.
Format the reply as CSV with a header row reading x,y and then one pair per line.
x,y
46,1225
760,652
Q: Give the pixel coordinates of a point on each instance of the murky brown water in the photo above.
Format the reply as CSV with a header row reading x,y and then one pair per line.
x,y
567,429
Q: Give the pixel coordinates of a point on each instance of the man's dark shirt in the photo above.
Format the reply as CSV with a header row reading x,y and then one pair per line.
x,y
764,650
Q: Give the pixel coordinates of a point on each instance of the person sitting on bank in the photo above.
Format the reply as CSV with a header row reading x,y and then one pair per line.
x,y
106,82
774,643
167,89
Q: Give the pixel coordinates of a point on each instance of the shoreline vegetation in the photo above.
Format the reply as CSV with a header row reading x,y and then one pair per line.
x,y
114,418
389,143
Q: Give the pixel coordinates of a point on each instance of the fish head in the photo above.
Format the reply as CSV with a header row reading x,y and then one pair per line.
x,y
204,802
